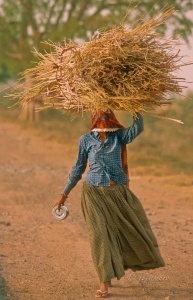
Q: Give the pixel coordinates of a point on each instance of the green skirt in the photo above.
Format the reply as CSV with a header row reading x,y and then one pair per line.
x,y
120,234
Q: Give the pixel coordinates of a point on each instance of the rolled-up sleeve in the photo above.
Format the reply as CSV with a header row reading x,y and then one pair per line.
x,y
78,168
127,135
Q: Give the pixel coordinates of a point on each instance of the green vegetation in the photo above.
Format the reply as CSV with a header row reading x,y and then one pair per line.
x,y
24,24
163,148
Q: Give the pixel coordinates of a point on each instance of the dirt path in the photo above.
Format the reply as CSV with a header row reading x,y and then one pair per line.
x,y
44,259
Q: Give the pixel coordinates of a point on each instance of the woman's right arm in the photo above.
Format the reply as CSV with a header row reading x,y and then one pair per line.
x,y
78,168
76,172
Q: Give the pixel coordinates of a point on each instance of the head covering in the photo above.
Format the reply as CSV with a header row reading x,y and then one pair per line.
x,y
106,122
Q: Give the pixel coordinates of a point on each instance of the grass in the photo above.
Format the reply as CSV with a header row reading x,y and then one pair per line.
x,y
165,144
164,147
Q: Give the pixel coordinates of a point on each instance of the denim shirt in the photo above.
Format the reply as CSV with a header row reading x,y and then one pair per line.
x,y
104,157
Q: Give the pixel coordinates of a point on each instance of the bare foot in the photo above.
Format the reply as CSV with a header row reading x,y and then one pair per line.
x,y
104,286
103,291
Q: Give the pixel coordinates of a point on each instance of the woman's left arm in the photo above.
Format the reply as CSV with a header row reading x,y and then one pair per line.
x,y
127,135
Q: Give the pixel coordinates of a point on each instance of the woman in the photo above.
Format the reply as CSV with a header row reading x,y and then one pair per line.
x,y
120,234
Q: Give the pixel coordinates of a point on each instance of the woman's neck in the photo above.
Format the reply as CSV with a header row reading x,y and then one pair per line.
x,y
103,136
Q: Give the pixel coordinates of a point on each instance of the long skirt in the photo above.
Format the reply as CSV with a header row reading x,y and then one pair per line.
x,y
120,234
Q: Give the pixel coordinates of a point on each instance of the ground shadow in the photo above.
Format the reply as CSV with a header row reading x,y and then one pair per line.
x,y
5,293
157,293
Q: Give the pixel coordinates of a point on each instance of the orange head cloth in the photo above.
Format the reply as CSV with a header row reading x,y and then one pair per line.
x,y
104,120
107,120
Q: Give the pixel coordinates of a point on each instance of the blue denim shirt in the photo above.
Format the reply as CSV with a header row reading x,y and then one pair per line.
x,y
104,157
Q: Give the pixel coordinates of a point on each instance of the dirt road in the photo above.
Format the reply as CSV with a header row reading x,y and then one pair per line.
x,y
45,259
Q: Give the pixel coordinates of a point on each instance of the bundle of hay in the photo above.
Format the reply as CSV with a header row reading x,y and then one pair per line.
x,y
120,69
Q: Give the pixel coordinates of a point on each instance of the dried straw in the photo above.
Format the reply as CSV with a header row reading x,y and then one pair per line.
x,y
121,69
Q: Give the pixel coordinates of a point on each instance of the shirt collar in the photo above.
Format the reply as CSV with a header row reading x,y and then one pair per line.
x,y
95,133
105,129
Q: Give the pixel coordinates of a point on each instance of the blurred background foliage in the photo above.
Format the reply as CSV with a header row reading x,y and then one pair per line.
x,y
164,147
24,24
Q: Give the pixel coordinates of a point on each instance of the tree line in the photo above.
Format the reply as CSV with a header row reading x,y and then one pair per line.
x,y
24,24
